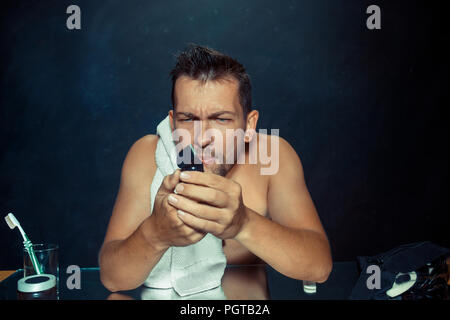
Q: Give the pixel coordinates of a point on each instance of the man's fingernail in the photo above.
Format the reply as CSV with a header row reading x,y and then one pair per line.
x,y
184,175
172,199
179,188
181,213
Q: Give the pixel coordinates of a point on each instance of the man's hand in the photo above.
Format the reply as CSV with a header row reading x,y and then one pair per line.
x,y
167,229
210,203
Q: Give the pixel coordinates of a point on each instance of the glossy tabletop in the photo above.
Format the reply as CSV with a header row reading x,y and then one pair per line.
x,y
243,282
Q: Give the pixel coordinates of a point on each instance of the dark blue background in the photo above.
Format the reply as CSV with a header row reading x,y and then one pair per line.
x,y
367,111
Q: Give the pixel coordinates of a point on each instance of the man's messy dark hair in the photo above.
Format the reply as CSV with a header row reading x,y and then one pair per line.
x,y
205,64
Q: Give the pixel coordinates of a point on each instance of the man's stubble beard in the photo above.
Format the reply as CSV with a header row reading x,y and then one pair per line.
x,y
219,169
222,168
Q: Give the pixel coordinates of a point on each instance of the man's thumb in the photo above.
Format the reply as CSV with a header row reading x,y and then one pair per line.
x,y
170,181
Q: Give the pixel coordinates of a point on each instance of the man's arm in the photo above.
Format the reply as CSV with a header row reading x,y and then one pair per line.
x,y
293,242
135,240
297,246
127,255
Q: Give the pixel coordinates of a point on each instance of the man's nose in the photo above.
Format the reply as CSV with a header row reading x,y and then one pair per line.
x,y
201,137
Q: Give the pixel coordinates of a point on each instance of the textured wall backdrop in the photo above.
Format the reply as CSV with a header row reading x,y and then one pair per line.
x,y
367,111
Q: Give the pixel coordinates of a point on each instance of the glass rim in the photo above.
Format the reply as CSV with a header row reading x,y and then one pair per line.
x,y
42,247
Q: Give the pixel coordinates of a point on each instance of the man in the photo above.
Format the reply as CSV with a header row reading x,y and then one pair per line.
x,y
260,217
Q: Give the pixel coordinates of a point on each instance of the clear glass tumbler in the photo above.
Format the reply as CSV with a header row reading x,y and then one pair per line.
x,y
47,257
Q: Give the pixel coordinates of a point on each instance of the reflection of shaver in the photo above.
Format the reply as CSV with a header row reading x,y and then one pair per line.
x,y
187,160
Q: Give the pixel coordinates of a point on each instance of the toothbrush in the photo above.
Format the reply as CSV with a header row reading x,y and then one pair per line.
x,y
12,223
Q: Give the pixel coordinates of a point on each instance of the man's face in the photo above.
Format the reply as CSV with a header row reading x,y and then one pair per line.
x,y
215,106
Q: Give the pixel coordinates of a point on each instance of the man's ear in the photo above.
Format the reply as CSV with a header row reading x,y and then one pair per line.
x,y
252,121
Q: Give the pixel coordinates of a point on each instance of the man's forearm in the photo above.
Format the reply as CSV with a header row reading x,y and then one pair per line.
x,y
297,253
125,264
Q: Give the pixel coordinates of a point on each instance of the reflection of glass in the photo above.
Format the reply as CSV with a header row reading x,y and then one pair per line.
x,y
47,257
37,287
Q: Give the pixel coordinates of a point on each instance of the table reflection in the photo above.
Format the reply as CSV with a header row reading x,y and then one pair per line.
x,y
242,282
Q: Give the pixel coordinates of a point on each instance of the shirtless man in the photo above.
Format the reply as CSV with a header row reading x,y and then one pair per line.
x,y
260,217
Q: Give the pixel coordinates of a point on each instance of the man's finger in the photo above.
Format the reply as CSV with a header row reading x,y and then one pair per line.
x,y
199,210
205,179
198,223
208,195
170,181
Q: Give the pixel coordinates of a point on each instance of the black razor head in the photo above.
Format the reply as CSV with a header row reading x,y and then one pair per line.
x,y
188,161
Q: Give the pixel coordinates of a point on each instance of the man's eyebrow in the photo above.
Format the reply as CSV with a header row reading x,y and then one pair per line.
x,y
186,114
216,114
213,115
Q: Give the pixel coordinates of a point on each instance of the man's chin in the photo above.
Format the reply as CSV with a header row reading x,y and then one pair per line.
x,y
219,169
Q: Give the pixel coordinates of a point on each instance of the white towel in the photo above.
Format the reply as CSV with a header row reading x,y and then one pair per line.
x,y
194,268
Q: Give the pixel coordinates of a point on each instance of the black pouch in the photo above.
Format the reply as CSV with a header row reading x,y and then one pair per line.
x,y
425,260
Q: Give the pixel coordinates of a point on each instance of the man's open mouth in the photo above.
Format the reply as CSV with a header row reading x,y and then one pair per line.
x,y
207,160
207,156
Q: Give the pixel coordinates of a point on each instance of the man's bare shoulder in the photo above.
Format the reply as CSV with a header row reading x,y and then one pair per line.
x,y
280,151
287,152
140,159
147,142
